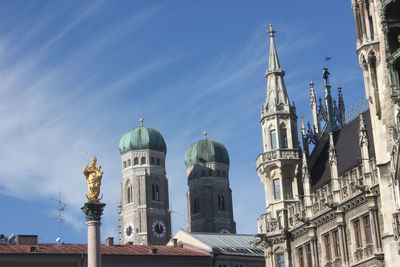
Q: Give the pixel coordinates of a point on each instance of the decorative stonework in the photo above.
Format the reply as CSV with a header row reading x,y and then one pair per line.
x,y
93,210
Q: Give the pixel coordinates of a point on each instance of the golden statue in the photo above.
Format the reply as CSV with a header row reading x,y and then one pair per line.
x,y
93,176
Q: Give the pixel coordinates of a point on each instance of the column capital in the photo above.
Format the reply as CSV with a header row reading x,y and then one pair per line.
x,y
93,210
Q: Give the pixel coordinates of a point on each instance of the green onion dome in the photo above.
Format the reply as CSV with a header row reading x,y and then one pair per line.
x,y
142,138
206,151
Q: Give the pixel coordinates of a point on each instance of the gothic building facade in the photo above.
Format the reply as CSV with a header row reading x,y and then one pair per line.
x,y
335,201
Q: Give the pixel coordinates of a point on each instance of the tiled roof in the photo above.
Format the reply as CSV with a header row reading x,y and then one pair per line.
x,y
347,150
70,249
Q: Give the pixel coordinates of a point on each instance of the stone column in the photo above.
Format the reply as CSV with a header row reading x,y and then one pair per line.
x,y
93,212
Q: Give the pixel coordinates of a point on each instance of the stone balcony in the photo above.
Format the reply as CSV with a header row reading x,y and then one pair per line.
x,y
269,157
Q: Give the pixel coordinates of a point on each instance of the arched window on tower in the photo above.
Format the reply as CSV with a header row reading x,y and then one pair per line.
x,y
196,205
155,192
158,161
135,161
221,202
272,134
129,196
124,164
152,160
129,162
283,132
143,160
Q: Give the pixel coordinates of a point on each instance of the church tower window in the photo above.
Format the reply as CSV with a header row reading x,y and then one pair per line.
x,y
124,164
203,173
129,162
143,160
273,139
209,172
152,160
155,192
196,205
129,193
277,189
158,161
284,141
135,161
221,202
218,173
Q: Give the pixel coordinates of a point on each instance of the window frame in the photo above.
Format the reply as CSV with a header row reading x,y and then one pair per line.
x,y
273,137
357,233
367,229
284,137
277,191
336,243
309,255
327,246
300,256
280,262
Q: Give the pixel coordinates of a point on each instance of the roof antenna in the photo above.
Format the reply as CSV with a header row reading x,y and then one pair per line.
x,y
60,216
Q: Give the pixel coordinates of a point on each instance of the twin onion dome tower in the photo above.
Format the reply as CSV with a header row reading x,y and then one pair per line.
x,y
144,210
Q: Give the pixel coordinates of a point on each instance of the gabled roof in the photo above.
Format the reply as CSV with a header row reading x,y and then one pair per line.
x,y
347,150
228,244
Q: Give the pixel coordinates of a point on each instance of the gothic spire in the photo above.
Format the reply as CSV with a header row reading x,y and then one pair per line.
x,y
277,98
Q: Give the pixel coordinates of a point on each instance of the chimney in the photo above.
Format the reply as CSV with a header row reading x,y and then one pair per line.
x,y
110,241
27,239
175,242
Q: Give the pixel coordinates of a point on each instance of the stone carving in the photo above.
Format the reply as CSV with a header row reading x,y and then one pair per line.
x,y
93,210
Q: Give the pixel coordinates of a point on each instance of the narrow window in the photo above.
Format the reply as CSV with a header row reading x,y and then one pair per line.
x,y
277,189
284,142
367,229
155,192
129,162
357,233
209,173
143,160
327,244
280,260
309,255
221,202
336,246
124,164
129,193
152,160
301,257
196,205
135,161
158,161
273,139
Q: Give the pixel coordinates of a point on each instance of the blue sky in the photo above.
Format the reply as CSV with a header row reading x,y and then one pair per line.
x,y
76,75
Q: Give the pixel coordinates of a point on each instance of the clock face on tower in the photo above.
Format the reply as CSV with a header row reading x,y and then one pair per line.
x,y
158,228
128,232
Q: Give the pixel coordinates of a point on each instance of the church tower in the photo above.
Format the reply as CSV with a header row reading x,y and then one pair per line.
x,y
144,214
209,197
278,165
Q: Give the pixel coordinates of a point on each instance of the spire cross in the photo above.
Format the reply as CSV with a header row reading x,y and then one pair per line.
x,y
141,122
271,31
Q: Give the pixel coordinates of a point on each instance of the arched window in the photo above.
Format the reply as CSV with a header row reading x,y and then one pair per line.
x,y
135,161
221,202
155,192
209,172
196,205
143,160
272,134
129,193
277,189
129,162
124,164
152,160
158,161
284,141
